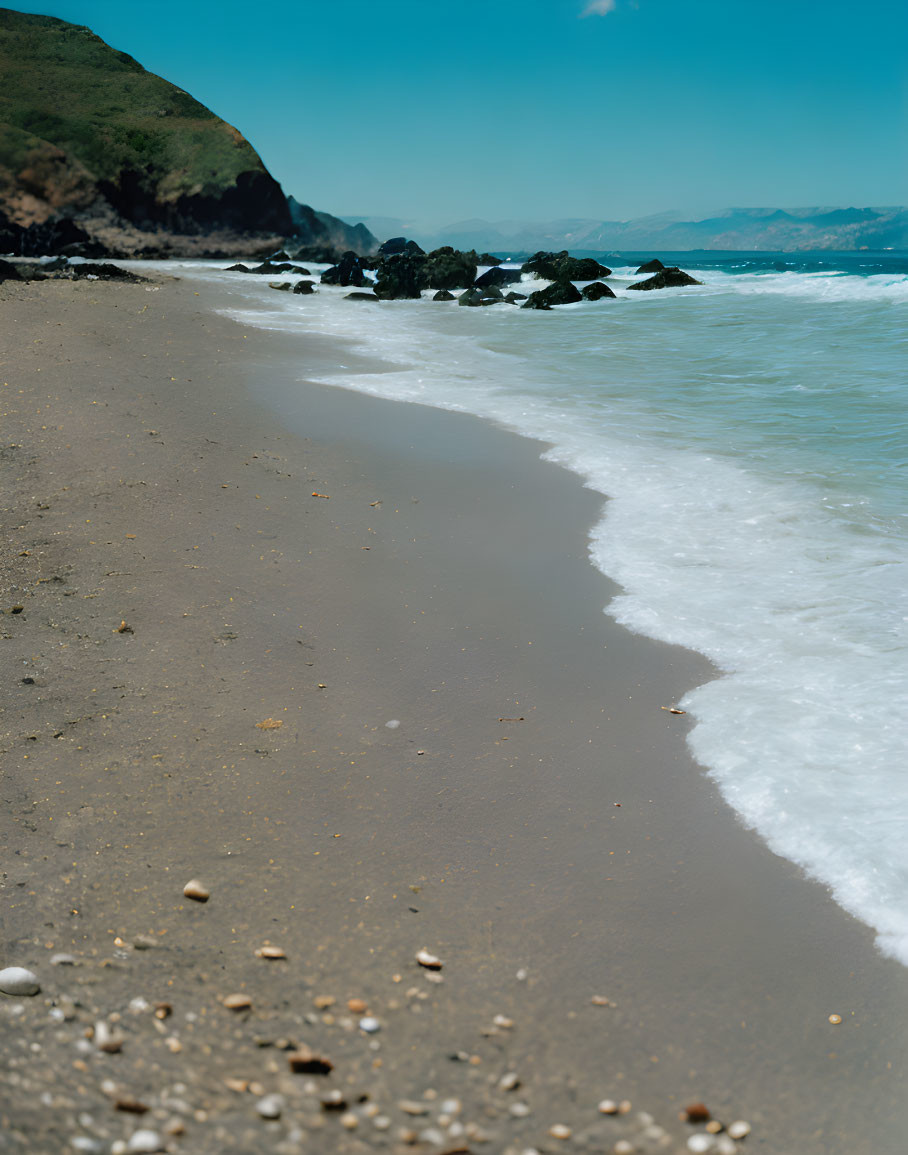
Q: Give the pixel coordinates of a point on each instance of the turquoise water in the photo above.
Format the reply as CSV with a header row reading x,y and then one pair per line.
x,y
752,438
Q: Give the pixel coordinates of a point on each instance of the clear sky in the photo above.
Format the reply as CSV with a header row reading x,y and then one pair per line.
x,y
441,110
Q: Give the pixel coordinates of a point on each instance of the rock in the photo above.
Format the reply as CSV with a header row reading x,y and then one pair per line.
x,y
471,298
304,1061
280,255
370,1025
448,268
9,272
608,1107
238,268
558,293
498,277
503,1022
673,278
392,246
104,271
304,288
401,277
111,1042
349,271
696,1113
62,960
739,1129
349,1121
196,890
413,1107
357,1006
701,1143
488,259
510,1081
19,981
835,1020
145,1142
283,286
560,1131
333,1101
555,266
596,291
519,1110
237,1002
653,266
270,1107
271,952
444,295
361,297
513,298
429,961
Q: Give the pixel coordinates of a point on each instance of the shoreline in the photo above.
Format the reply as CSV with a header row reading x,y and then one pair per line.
x,y
410,610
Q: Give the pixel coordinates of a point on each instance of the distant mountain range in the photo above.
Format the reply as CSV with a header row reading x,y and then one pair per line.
x,y
762,229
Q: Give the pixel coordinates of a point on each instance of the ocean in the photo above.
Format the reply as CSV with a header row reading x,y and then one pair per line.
x,y
751,438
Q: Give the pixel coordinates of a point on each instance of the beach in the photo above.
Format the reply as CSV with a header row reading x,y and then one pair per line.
x,y
344,660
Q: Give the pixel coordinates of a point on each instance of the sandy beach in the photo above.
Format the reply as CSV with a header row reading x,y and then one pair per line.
x,y
344,660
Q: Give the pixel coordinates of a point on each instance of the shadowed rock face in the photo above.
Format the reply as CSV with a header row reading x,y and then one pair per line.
x,y
562,266
671,278
561,292
87,135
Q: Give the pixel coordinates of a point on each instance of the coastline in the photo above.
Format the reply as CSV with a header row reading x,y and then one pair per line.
x,y
473,601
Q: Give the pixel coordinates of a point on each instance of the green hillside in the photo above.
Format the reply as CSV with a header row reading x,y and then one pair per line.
x,y
79,120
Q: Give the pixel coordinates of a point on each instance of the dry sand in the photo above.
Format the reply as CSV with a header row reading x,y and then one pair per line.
x,y
158,466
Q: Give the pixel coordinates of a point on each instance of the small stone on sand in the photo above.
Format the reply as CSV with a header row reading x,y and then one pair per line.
x,y
145,1142
19,981
429,961
608,1107
740,1129
272,952
270,1107
237,1002
835,1019
357,1006
560,1131
369,1024
196,890
696,1113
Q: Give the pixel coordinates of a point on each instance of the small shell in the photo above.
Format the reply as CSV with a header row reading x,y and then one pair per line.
x,y
237,1002
835,1019
271,952
430,961
196,890
740,1129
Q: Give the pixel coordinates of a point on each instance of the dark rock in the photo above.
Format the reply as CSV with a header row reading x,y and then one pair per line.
x,y
558,293
401,277
306,288
470,298
653,266
9,272
480,297
319,254
361,297
671,278
350,270
267,267
40,239
553,266
448,268
397,245
444,295
513,298
238,269
105,272
596,291
488,259
280,255
498,277
283,286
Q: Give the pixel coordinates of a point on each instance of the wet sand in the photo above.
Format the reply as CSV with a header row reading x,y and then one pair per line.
x,y
158,466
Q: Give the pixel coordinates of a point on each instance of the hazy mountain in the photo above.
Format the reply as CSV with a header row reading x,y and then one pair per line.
x,y
766,229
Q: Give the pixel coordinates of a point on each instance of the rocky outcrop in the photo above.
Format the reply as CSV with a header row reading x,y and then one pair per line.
x,y
653,266
350,270
444,295
304,288
397,245
447,268
9,272
328,234
401,276
596,291
561,292
496,276
670,278
555,266
488,259
476,298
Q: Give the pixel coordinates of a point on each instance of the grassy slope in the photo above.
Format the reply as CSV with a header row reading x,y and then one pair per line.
x,y
63,84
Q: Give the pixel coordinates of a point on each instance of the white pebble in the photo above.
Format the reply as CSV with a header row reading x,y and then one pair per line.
x,y
451,1107
701,1142
560,1131
118,1147
393,724
608,1107
19,981
381,1122
739,1129
725,1146
270,1107
145,1142
370,1025
623,1147
432,1135
519,1110
62,960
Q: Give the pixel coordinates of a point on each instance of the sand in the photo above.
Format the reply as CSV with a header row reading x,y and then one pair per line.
x,y
535,813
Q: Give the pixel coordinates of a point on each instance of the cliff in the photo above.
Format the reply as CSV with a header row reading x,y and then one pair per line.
x,y
87,134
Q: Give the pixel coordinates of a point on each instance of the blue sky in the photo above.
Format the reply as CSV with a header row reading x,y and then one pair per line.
x,y
441,110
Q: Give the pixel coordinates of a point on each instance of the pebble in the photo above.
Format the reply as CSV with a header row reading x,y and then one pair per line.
x,y
510,1081
85,1143
608,1107
307,1062
19,981
725,1146
701,1142
623,1147
270,1107
349,1121
519,1110
504,1022
740,1129
835,1019
323,1002
696,1113
370,1025
430,961
111,1042
714,1127
63,960
272,952
392,724
145,1142
381,1122
451,1107
560,1131
237,1002
333,1100
196,890
412,1107
356,1006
